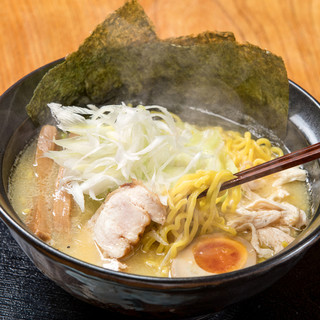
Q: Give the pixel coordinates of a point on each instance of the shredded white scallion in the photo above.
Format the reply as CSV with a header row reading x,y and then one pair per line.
x,y
114,144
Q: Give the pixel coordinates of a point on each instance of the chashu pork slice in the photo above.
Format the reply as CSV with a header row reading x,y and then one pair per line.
x,y
123,217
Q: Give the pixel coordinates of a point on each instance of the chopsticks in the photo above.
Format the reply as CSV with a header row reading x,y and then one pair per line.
x,y
287,161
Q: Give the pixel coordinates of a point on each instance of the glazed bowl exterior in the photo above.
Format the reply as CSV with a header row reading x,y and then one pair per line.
x,y
141,295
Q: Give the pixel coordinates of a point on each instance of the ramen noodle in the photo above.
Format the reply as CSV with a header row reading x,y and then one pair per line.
x,y
138,190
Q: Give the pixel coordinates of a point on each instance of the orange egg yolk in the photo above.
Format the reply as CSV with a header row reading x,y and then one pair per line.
x,y
220,254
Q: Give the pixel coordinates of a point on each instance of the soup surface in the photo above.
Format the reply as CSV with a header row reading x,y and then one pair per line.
x,y
137,190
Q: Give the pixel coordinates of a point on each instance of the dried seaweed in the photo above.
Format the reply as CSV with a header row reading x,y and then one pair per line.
x,y
124,60
92,73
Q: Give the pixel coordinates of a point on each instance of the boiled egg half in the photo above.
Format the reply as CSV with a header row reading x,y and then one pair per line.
x,y
213,254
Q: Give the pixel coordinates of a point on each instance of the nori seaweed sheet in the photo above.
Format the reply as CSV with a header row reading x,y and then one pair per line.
x,y
124,61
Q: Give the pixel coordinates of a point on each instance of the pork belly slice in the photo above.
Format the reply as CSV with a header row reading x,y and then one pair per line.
x,y
62,203
123,217
44,165
51,206
40,221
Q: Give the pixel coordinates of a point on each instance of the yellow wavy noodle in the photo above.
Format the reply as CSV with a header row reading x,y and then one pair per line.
x,y
190,214
247,152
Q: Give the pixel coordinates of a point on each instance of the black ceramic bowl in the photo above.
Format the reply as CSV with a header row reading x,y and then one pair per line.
x,y
132,294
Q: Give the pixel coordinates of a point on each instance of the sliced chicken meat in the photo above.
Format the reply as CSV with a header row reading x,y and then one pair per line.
x,y
263,212
270,220
259,219
123,217
261,252
141,197
114,264
289,175
273,238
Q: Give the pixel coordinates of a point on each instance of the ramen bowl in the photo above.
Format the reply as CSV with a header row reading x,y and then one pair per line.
x,y
144,295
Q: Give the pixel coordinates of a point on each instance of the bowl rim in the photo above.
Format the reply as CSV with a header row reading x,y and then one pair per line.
x,y
151,281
